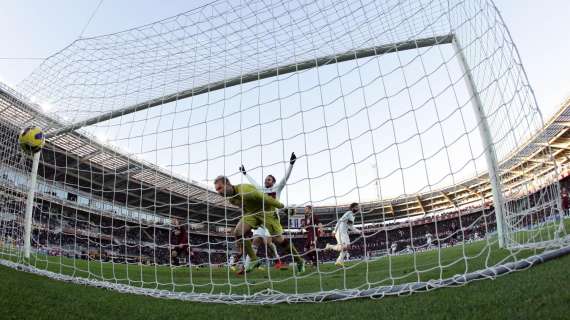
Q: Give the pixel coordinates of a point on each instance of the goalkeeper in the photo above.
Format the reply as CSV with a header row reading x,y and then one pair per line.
x,y
259,210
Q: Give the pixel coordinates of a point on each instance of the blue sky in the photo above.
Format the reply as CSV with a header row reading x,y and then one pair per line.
x,y
38,29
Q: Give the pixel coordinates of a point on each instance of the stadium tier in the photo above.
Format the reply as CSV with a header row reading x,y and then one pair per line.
x,y
285,152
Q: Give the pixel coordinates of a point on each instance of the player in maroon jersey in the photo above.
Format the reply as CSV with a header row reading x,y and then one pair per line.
x,y
180,244
311,226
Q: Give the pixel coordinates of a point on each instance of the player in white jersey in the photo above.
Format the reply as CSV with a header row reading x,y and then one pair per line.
x,y
271,188
261,236
394,247
340,232
233,262
429,239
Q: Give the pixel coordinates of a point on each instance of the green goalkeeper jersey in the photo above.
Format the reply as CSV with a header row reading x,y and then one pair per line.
x,y
253,201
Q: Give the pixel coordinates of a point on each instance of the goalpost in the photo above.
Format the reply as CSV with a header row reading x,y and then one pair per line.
x,y
420,111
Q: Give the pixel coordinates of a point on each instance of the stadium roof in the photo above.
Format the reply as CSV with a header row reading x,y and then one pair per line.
x,y
79,160
90,164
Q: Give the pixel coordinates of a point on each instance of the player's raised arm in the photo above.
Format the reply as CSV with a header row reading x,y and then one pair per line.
x,y
279,186
249,178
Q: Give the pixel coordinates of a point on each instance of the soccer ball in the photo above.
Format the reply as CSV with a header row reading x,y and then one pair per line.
x,y
31,139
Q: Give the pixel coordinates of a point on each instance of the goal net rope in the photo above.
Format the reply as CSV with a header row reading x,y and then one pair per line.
x,y
418,111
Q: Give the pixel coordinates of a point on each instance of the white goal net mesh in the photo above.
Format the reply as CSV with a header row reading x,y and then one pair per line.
x,y
418,111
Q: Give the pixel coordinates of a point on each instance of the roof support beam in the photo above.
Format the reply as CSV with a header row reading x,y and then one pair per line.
x,y
449,199
421,205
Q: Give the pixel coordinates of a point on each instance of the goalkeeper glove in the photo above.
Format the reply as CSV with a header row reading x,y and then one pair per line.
x,y
293,158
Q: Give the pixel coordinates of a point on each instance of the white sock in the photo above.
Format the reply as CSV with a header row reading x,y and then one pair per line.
x,y
340,258
274,249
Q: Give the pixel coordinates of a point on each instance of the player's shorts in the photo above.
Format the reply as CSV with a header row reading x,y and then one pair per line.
x,y
261,232
342,238
310,242
184,249
269,220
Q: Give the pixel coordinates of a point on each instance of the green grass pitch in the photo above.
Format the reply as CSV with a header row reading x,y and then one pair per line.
x,y
389,270
541,292
386,271
545,287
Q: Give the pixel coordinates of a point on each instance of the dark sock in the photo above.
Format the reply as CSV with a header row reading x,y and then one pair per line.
x,y
291,249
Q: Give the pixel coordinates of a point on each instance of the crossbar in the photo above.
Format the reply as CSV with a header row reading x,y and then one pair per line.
x,y
259,75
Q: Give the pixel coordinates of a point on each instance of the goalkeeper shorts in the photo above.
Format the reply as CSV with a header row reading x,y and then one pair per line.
x,y
270,221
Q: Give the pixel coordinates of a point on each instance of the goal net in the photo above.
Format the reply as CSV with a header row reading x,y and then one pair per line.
x,y
420,112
